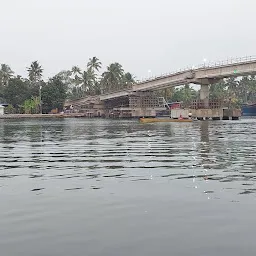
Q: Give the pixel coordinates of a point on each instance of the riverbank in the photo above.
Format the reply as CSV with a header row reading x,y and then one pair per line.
x,y
20,116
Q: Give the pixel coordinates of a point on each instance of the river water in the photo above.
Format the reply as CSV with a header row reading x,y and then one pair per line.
x,y
118,187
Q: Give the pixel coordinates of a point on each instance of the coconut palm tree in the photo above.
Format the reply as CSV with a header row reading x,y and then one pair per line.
x,y
128,79
75,70
243,89
112,78
97,88
252,88
232,85
218,91
232,91
86,81
94,64
187,94
35,72
5,74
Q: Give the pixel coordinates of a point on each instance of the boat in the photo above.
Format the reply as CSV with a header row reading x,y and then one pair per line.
x,y
249,109
163,120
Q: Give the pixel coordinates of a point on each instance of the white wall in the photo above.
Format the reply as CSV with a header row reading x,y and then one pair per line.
x,y
1,110
176,113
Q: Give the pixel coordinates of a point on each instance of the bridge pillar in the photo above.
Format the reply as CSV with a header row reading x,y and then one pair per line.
x,y
204,95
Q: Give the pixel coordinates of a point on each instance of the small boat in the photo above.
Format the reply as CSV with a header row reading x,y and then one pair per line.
x,y
159,120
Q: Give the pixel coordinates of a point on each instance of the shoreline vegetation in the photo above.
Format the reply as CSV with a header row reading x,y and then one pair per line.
x,y
32,95
58,115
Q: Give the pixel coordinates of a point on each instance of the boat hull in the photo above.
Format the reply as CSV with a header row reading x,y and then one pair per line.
x,y
164,120
249,110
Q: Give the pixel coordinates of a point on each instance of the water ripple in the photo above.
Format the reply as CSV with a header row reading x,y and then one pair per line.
x,y
67,179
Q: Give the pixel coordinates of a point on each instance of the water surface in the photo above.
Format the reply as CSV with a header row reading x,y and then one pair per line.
x,y
118,187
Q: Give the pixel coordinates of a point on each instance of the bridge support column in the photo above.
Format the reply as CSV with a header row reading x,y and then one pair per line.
x,y
204,95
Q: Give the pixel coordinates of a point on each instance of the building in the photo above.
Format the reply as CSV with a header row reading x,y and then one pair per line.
x,y
90,106
1,110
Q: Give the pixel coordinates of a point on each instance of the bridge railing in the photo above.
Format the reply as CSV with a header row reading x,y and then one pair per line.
x,y
228,61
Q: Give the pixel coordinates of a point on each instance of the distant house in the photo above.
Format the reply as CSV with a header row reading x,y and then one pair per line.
x,y
1,110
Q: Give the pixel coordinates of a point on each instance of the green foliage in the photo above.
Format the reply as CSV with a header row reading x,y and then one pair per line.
x,y
127,80
183,94
88,82
35,72
29,106
112,79
23,95
218,91
5,75
234,92
16,92
75,70
252,89
94,64
10,109
53,94
76,93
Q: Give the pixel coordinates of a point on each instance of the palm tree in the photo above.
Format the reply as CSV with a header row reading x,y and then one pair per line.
x,y
232,85
35,72
67,80
112,78
86,81
252,88
94,64
187,94
218,92
76,93
5,74
128,79
97,88
75,70
243,89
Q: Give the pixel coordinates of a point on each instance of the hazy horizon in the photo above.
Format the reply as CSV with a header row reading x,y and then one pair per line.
x,y
160,36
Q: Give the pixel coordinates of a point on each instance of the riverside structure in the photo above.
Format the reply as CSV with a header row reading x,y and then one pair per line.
x,y
140,100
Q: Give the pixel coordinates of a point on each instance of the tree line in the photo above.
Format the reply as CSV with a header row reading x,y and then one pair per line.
x,y
34,95
230,92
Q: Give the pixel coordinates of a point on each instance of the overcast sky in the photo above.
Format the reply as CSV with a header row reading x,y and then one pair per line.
x,y
142,35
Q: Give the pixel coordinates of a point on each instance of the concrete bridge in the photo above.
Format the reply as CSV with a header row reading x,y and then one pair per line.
x,y
139,100
204,75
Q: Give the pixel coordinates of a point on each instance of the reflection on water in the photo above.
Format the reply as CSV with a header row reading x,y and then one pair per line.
x,y
112,187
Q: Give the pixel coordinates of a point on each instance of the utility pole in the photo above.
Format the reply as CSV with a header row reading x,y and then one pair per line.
x,y
40,97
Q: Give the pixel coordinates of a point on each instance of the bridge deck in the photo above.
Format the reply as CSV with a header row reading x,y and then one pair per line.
x,y
204,74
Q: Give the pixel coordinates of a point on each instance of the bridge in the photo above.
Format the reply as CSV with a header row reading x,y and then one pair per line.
x,y
139,99
203,75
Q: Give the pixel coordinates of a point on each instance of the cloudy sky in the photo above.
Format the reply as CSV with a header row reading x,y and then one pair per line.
x,y
156,35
